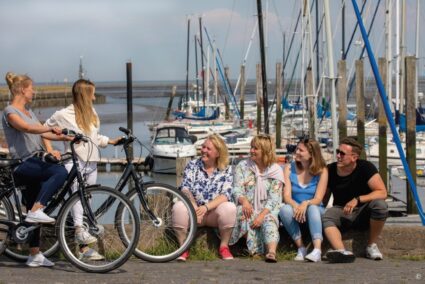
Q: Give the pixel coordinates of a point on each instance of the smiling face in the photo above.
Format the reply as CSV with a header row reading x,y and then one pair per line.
x,y
209,153
302,154
256,154
345,156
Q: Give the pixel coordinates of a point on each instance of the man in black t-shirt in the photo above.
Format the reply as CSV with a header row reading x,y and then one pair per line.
x,y
359,201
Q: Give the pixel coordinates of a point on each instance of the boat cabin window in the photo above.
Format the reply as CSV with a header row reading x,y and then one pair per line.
x,y
172,136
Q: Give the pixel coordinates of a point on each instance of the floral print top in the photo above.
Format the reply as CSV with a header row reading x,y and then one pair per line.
x,y
205,188
245,184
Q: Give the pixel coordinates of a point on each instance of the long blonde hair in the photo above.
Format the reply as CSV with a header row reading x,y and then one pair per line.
x,y
264,143
17,82
223,158
85,116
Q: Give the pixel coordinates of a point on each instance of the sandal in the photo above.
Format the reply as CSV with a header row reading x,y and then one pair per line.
x,y
271,257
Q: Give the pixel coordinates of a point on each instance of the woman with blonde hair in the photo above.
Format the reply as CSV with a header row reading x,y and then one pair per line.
x,y
26,138
81,117
257,190
207,182
306,180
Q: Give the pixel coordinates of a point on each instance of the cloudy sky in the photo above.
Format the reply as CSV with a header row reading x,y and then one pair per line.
x,y
45,38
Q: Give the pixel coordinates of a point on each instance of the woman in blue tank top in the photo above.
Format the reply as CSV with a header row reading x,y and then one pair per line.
x,y
305,185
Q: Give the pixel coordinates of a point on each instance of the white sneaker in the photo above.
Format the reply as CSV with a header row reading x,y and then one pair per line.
x,y
314,256
90,254
83,237
301,254
38,216
373,252
38,260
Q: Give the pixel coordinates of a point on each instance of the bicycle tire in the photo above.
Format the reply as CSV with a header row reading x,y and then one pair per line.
x,y
6,213
158,243
20,252
115,252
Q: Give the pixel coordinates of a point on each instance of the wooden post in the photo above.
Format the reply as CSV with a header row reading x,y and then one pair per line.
x,y
180,166
242,101
259,97
170,102
342,99
360,91
278,105
382,128
226,100
409,87
311,105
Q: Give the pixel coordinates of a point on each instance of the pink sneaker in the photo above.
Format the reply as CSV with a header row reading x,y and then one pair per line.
x,y
225,253
184,256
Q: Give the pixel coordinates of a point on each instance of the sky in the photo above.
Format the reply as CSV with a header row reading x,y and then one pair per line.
x,y
46,38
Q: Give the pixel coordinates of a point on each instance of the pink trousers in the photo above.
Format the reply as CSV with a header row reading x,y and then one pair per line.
x,y
222,217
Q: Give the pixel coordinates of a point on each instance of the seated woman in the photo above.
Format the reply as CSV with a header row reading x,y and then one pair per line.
x,y
306,179
257,190
25,137
207,182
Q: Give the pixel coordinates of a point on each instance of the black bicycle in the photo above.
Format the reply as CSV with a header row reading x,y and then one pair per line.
x,y
100,205
154,204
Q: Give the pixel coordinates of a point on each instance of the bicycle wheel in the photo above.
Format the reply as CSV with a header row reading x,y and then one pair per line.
x,y
158,240
111,252
6,214
20,251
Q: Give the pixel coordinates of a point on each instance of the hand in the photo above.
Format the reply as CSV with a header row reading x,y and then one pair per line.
x,y
247,209
56,130
200,212
258,221
115,140
349,207
56,154
299,212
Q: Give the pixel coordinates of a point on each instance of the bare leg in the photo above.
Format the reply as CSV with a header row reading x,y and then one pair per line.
x,y
180,234
271,247
317,244
34,250
225,235
36,206
376,227
334,237
299,243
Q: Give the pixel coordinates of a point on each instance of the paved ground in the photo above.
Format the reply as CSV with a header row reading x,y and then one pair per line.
x,y
236,271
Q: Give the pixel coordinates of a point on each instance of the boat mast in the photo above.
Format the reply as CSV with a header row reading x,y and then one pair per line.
x,y
388,46
329,47
197,72
187,60
202,61
397,79
263,67
417,52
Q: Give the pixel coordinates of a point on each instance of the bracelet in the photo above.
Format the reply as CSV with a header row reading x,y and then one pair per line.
x,y
206,207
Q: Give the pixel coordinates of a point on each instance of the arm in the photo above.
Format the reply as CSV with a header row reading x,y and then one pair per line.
x,y
321,188
376,184
287,193
19,124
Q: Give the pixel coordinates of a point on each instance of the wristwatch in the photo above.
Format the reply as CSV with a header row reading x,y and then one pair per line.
x,y
358,200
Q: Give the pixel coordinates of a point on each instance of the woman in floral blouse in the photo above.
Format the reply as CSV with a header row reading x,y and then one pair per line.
x,y
258,184
207,182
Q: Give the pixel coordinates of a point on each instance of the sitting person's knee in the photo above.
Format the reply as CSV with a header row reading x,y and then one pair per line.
x,y
378,209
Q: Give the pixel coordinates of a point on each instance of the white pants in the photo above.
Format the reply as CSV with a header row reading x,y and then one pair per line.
x,y
89,173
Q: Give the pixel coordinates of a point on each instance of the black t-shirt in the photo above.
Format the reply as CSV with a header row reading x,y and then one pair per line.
x,y
346,188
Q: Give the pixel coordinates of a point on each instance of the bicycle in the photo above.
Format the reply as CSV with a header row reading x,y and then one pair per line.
x,y
100,205
153,202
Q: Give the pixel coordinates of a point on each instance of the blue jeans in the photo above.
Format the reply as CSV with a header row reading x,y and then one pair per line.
x,y
313,216
41,179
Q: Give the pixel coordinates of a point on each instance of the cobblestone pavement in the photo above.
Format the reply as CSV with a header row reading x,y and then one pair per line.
x,y
236,271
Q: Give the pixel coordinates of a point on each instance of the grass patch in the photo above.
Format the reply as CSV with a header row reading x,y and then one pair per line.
x,y
413,257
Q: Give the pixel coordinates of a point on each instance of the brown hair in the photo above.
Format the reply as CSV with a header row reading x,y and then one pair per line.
x,y
264,143
223,153
357,148
317,161
17,82
85,116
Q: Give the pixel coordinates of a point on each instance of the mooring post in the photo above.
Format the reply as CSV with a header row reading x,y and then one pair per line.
x,y
382,128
